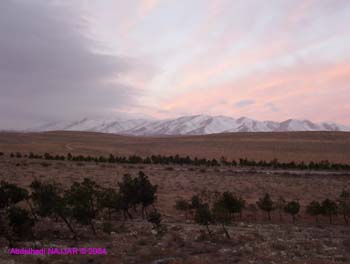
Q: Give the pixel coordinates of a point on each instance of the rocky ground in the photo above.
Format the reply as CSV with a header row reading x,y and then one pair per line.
x,y
252,240
136,242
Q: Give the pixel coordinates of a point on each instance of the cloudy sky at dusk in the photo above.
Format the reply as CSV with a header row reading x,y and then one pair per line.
x,y
267,60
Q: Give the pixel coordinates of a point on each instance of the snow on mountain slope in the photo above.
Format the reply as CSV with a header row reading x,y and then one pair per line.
x,y
189,125
298,125
109,125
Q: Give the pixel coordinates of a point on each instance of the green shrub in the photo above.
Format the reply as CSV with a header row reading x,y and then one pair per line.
x,y
266,204
196,202
108,199
82,200
314,209
20,222
222,214
344,205
329,208
292,208
182,205
10,194
155,218
146,192
203,216
49,202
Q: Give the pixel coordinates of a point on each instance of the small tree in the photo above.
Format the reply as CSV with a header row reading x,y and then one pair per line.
x,y
292,208
82,199
15,221
266,204
155,218
108,199
223,210
20,222
203,216
11,194
49,202
182,205
329,208
314,209
344,205
128,190
234,204
146,192
196,202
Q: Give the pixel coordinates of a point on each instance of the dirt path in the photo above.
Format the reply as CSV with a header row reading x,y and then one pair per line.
x,y
69,147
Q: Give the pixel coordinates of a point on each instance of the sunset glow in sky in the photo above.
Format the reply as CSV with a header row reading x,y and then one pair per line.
x,y
267,60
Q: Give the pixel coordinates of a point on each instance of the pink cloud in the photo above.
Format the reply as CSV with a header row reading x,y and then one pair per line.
x,y
301,92
146,6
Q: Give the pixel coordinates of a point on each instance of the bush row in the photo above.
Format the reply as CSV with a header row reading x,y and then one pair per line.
x,y
222,208
179,160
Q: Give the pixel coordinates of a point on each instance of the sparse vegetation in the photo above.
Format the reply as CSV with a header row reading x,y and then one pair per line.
x,y
292,208
223,211
226,205
82,203
16,222
344,205
183,206
187,160
185,239
135,192
85,202
215,207
203,216
20,223
266,204
196,202
109,200
49,201
314,209
329,208
155,218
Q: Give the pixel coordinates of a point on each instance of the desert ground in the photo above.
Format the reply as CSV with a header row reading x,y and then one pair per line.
x,y
286,146
254,239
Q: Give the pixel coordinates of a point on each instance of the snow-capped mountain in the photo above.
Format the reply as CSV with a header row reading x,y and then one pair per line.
x,y
188,125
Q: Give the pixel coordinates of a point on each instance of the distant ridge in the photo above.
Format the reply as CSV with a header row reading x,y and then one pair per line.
x,y
187,125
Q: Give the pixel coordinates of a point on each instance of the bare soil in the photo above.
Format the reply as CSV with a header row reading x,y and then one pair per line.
x,y
286,146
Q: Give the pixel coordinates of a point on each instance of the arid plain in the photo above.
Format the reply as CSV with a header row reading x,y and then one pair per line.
x,y
253,238
286,146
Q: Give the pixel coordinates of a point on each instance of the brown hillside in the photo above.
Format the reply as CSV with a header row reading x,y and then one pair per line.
x,y
286,146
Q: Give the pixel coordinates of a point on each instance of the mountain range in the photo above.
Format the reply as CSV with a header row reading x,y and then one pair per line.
x,y
187,125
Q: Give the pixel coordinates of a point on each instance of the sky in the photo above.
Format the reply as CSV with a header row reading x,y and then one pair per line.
x,y
267,60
